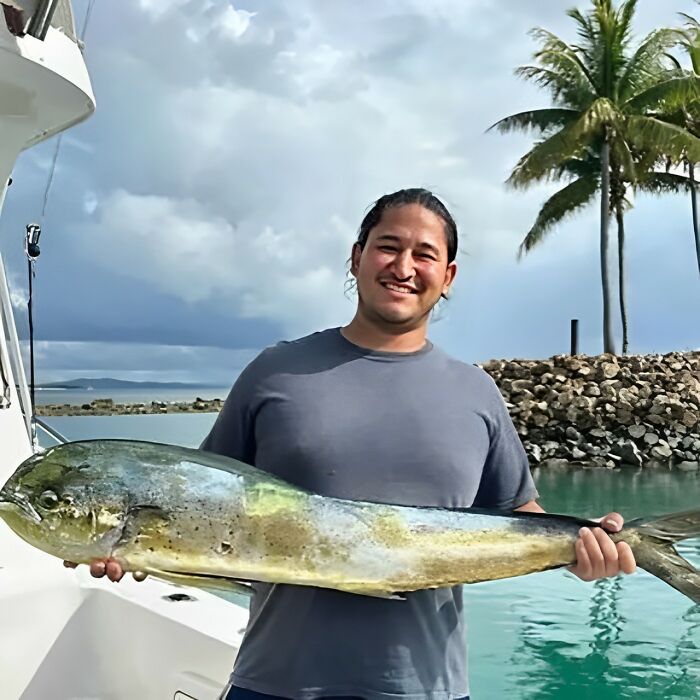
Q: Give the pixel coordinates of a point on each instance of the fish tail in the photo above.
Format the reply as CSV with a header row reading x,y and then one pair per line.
x,y
655,553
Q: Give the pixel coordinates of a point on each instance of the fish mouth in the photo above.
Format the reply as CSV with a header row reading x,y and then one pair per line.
x,y
16,500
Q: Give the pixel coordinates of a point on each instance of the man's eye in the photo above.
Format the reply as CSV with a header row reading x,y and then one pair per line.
x,y
387,248
426,256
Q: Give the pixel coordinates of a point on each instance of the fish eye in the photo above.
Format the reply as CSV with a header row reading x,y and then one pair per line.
x,y
48,500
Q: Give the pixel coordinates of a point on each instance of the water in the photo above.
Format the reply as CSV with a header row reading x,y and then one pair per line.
x,y
130,395
547,636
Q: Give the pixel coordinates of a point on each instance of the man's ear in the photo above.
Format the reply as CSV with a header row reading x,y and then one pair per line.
x,y
355,258
450,275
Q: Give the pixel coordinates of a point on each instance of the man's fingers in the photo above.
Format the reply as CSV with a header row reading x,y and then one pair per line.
x,y
595,555
628,565
583,568
97,568
611,565
612,522
114,570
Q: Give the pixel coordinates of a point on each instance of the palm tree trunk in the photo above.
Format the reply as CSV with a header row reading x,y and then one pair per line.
x,y
694,203
608,340
622,282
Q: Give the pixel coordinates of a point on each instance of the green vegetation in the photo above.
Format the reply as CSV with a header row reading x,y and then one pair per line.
x,y
619,111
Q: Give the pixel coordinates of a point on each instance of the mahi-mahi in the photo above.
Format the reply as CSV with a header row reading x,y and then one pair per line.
x,y
203,519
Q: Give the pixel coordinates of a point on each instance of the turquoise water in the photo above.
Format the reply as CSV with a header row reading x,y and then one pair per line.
x,y
548,635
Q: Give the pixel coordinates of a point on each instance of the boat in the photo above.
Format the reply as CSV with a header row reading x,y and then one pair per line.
x,y
64,634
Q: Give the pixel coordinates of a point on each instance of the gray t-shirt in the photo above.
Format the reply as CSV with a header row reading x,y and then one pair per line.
x,y
417,428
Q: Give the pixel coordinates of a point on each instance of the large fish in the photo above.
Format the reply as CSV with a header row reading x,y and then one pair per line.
x,y
205,520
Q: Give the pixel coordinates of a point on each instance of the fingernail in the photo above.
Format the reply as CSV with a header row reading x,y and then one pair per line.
x,y
583,531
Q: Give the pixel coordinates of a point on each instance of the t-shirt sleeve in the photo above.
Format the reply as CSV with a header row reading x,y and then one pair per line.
x,y
506,481
233,433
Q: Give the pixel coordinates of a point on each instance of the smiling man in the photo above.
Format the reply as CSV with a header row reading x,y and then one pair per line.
x,y
374,411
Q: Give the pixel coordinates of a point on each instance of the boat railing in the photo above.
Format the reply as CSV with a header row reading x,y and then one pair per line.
x,y
13,354
44,428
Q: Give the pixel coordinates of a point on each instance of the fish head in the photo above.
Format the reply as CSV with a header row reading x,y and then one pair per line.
x,y
64,504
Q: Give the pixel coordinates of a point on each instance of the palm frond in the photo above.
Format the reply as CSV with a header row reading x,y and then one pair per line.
x,y
673,93
650,133
558,55
564,88
542,120
645,64
657,183
570,141
564,203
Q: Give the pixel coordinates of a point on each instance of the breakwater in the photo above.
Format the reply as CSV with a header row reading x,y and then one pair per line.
x,y
107,407
605,410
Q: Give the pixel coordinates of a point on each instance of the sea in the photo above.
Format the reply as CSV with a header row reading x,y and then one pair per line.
x,y
549,635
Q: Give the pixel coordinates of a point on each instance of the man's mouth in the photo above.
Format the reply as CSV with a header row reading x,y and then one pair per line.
x,y
400,288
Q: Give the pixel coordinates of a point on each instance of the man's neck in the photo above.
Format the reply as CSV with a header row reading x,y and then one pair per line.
x,y
368,335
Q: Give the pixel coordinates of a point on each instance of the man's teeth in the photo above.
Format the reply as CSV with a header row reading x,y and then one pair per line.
x,y
394,288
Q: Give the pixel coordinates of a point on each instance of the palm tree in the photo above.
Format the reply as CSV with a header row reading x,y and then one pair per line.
x,y
688,115
603,92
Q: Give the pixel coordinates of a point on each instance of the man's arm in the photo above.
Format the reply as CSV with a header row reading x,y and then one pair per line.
x,y
597,555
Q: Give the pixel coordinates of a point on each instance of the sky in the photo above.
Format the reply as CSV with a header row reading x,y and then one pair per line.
x,y
208,208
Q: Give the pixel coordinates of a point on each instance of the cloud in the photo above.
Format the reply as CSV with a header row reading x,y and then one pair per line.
x,y
282,274
56,361
214,195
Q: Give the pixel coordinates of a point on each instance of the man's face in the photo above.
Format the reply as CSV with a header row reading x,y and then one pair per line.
x,y
402,271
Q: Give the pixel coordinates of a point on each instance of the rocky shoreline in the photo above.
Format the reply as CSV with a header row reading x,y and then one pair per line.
x,y
570,410
605,411
107,407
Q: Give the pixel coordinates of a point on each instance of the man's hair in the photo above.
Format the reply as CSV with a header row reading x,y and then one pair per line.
x,y
413,195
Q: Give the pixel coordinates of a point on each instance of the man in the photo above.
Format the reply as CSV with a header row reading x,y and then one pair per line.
x,y
374,411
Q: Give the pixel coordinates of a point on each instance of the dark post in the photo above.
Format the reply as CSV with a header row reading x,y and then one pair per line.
x,y
574,336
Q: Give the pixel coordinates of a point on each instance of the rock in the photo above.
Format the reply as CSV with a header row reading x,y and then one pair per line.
x,y
661,451
608,370
555,463
521,385
577,453
540,419
628,452
572,433
688,466
535,452
651,438
689,418
636,431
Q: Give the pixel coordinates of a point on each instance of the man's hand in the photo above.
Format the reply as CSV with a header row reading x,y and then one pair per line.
x,y
597,556
110,568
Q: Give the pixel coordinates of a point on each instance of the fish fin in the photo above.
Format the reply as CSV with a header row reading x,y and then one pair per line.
x,y
204,581
138,521
670,528
655,552
664,562
373,593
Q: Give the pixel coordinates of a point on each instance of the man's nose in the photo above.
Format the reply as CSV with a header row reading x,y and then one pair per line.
x,y
403,265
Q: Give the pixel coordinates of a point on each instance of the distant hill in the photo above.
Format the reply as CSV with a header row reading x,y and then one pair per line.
x,y
109,383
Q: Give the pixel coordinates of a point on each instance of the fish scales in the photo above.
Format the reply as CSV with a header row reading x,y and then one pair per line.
x,y
173,511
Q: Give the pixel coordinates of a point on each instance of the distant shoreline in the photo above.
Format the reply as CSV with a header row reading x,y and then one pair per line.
x,y
107,407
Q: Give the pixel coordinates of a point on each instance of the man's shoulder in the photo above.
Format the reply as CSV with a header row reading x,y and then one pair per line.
x,y
464,370
288,354
317,341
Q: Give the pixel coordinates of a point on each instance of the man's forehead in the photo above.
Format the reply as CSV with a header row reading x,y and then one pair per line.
x,y
417,236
